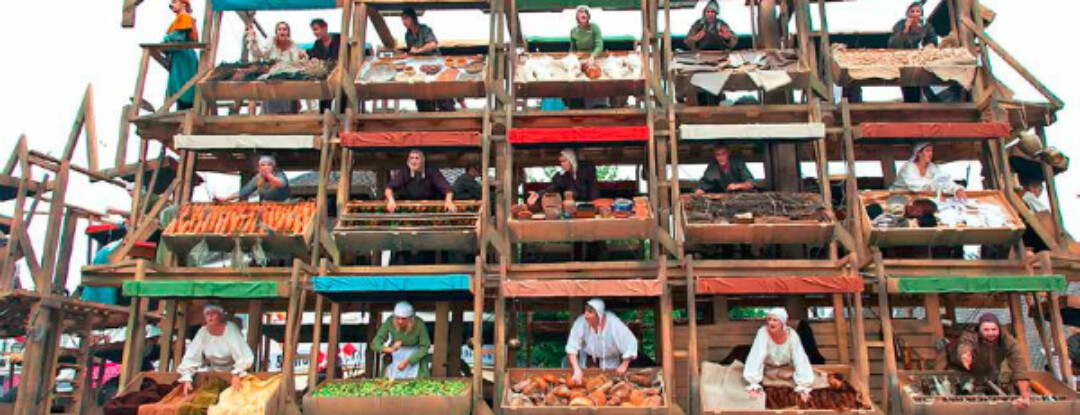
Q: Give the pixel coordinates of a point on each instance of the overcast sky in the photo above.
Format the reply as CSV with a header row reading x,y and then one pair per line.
x,y
55,49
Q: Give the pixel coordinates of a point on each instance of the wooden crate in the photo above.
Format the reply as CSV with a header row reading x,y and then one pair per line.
x,y
358,231
793,232
421,90
1071,405
514,375
840,369
581,230
599,88
389,405
273,89
272,408
943,236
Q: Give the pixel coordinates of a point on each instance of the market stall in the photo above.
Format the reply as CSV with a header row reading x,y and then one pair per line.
x,y
274,228
416,225
839,391
596,220
384,396
904,67
924,219
738,70
946,392
756,218
562,75
264,80
551,391
422,77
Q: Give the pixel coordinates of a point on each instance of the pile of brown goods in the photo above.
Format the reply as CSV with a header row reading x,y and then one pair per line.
x,y
251,398
128,404
839,396
853,58
553,207
771,207
636,389
241,218
740,61
194,403
309,69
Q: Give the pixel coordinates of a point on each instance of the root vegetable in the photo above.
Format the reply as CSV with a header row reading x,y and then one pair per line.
x,y
582,401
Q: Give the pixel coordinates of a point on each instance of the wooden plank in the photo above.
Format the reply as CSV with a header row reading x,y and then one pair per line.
x,y
165,340
1058,334
316,340
1008,58
332,350
933,320
841,327
455,341
442,330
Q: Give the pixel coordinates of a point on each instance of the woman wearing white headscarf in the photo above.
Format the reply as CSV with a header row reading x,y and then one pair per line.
x,y
600,336
572,181
404,337
220,344
920,174
271,184
776,345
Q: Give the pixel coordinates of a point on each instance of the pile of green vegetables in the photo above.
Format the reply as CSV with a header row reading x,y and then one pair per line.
x,y
367,388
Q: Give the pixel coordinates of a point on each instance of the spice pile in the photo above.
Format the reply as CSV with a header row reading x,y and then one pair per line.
x,y
553,207
367,388
839,396
544,67
748,208
241,218
196,402
854,58
303,70
739,61
637,389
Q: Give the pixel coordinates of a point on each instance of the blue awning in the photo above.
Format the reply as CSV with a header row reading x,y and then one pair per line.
x,y
446,287
230,5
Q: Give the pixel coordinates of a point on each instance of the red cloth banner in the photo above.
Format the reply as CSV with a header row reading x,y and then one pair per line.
x,y
579,135
934,130
582,288
780,285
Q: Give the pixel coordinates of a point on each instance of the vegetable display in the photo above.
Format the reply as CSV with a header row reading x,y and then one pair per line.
x,y
241,218
367,388
427,215
768,207
642,388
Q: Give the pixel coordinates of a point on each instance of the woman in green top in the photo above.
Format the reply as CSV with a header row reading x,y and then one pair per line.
x,y
404,337
182,62
585,37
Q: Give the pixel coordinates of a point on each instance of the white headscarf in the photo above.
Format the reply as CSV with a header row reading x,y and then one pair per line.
x,y
583,8
208,308
918,147
403,309
596,304
780,313
571,157
268,159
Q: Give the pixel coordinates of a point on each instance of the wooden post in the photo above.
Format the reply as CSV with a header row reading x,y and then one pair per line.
x,y
442,330
889,386
453,349
1059,340
665,329
371,355
136,331
1019,328
500,332
165,340
478,328
255,322
862,356
1052,194
332,342
933,322
316,342
692,347
841,328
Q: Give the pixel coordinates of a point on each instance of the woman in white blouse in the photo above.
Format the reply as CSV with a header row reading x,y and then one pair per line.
x,y
777,345
601,336
220,344
280,49
920,174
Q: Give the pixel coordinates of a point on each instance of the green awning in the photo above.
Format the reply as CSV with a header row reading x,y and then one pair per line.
x,y
201,289
986,284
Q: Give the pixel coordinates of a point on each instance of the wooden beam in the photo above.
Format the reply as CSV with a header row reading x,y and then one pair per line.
x,y
1008,58
442,331
381,28
334,337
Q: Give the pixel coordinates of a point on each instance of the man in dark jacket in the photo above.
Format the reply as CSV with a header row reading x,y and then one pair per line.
x,y
466,186
326,48
725,174
981,355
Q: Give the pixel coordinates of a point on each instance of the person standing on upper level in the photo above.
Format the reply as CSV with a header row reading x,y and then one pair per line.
x,y
912,32
418,181
280,49
270,184
326,48
183,63
710,32
420,41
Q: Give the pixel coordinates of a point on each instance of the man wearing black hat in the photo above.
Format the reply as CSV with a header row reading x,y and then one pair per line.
x,y
981,353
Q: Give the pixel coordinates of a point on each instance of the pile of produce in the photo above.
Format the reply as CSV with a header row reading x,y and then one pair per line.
x,y
541,67
368,388
302,70
197,402
251,399
128,403
410,208
854,58
241,218
409,214
636,389
423,69
839,396
930,389
769,207
553,207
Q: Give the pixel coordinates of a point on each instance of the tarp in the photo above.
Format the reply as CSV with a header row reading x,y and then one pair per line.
x,y
411,139
807,131
985,284
228,5
582,288
578,135
394,287
201,289
780,285
250,142
934,130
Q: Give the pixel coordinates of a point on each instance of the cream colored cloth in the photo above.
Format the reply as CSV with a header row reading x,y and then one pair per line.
x,y
251,399
963,75
722,387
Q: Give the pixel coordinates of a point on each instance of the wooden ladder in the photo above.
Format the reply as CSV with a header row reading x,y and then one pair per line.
x,y
80,384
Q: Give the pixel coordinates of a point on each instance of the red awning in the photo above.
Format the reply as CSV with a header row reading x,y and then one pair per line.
x,y
582,288
101,227
934,130
411,139
579,135
780,285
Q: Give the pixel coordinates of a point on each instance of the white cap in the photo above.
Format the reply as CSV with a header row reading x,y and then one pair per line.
x,y
780,313
403,309
596,304
208,308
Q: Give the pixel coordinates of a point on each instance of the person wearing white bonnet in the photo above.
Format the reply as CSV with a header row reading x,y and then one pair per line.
x,y
220,344
405,338
920,174
600,336
585,36
574,182
270,183
777,345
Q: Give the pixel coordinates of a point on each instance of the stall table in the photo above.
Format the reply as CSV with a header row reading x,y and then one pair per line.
x,y
901,67
403,76
544,75
913,402
235,81
795,229
419,225
943,235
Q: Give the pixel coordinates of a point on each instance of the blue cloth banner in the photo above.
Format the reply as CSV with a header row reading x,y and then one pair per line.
x,y
394,288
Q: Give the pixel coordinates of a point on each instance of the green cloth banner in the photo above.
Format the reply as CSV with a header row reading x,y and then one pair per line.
x,y
201,289
985,284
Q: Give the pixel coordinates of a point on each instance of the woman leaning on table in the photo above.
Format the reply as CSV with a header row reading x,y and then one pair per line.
x,y
920,174
220,345
778,345
404,337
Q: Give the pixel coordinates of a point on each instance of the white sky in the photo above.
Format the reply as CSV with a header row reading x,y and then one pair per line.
x,y
56,49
